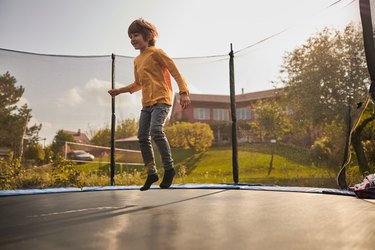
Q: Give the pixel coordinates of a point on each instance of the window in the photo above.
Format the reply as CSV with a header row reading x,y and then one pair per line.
x,y
221,115
243,113
201,114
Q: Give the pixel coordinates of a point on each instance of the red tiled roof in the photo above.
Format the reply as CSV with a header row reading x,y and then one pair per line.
x,y
257,95
239,98
131,138
78,136
209,98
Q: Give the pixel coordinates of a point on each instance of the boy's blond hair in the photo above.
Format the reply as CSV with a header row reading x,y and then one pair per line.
x,y
146,29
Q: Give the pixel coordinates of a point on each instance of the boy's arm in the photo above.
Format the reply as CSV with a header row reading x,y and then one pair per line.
x,y
166,61
131,88
135,86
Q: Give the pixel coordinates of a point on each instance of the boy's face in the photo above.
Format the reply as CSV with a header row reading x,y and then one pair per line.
x,y
138,42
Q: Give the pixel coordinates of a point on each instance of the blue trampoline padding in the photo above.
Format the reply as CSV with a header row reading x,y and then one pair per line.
x,y
108,188
205,186
37,191
302,190
259,187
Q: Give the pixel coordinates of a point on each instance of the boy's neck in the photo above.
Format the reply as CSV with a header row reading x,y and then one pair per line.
x,y
143,49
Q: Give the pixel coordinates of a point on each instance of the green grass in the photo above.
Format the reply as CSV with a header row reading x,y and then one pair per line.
x,y
291,166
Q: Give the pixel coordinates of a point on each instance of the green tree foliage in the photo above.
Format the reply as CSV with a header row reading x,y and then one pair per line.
x,y
271,120
48,155
325,79
64,174
14,119
368,136
124,129
59,140
35,153
328,147
363,137
186,135
326,75
10,170
102,137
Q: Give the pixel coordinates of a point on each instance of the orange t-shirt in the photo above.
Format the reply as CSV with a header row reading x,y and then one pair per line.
x,y
152,69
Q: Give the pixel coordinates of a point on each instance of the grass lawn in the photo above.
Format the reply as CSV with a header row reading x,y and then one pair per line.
x,y
291,166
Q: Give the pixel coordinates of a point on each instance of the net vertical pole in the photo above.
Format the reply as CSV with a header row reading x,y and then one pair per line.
x,y
368,40
113,123
234,118
369,46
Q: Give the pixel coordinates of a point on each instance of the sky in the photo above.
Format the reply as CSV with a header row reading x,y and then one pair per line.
x,y
71,92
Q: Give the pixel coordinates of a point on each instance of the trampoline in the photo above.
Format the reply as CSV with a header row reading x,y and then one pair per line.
x,y
188,216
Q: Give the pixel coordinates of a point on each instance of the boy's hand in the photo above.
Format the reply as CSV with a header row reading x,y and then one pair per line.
x,y
184,101
113,92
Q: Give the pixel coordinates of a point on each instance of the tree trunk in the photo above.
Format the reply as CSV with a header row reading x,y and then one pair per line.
x,y
358,146
360,153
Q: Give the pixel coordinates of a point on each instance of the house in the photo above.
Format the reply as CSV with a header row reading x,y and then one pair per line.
x,y
78,136
128,143
215,110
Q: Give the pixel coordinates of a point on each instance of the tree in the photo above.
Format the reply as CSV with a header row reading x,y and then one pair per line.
x,y
271,120
102,137
325,78
360,133
59,140
124,129
326,75
35,153
14,119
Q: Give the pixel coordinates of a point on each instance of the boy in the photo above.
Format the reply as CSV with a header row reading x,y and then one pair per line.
x,y
152,69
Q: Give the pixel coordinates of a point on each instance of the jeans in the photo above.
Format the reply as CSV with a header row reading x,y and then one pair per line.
x,y
151,125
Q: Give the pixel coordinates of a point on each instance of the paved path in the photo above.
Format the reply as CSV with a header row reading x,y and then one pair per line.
x,y
186,219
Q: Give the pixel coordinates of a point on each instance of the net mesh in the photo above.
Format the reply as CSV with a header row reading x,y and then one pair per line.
x,y
299,91
80,152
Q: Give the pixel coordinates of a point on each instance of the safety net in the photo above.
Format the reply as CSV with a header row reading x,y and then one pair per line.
x,y
302,112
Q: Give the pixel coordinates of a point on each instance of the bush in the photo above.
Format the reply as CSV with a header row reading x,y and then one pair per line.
x,y
33,179
321,150
35,153
10,170
64,174
197,136
369,147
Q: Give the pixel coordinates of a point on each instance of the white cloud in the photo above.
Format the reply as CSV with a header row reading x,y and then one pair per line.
x,y
98,90
45,125
72,98
86,104
47,132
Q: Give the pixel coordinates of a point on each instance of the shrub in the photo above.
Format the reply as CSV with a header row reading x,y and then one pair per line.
x,y
35,153
64,174
197,136
369,147
10,169
321,150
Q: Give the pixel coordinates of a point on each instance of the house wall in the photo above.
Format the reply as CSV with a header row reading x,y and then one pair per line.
x,y
188,115
222,128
